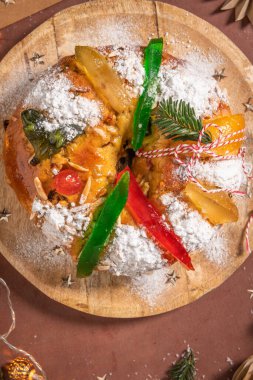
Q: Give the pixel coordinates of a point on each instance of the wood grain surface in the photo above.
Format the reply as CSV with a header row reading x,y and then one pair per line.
x,y
20,242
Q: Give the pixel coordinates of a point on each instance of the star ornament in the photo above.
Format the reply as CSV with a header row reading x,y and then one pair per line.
x,y
219,74
8,2
249,105
172,278
102,378
37,59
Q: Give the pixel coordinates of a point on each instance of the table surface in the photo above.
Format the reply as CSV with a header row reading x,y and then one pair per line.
x,y
75,346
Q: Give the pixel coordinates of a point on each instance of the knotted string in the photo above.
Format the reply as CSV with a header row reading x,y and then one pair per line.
x,y
4,337
249,222
196,150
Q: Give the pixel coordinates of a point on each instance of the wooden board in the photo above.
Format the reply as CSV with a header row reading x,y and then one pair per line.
x,y
22,8
101,23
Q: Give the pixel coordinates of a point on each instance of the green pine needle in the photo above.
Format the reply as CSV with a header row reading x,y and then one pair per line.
x,y
185,368
177,121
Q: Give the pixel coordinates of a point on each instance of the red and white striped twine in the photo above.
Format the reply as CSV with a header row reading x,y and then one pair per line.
x,y
250,221
195,151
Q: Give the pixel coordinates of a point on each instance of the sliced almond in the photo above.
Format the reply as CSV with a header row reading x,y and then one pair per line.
x,y
101,133
78,167
119,221
103,268
70,230
39,188
85,192
97,203
30,159
113,130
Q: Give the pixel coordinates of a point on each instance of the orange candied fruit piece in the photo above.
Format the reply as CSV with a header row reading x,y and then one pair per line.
x,y
227,124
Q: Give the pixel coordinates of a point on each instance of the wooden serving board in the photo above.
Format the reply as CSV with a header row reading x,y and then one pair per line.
x,y
105,23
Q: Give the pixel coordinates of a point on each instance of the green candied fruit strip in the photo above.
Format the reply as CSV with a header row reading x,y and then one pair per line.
x,y
103,227
152,63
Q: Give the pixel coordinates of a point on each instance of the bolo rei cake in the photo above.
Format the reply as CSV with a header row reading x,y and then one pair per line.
x,y
129,159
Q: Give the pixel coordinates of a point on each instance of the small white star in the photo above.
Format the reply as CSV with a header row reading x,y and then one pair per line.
x,y
4,216
8,2
249,105
251,293
102,378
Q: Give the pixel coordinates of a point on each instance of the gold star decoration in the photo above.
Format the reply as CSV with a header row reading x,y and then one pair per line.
x,y
172,278
36,59
242,8
67,281
102,378
219,75
4,215
248,105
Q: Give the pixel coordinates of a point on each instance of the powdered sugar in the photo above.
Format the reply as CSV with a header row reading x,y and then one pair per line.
x,y
192,82
227,174
110,33
195,232
64,109
60,224
129,65
149,286
132,252
217,249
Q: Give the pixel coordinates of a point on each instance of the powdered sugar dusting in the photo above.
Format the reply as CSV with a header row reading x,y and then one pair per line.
x,y
132,252
192,82
64,109
149,286
129,65
60,224
217,249
112,33
195,232
227,174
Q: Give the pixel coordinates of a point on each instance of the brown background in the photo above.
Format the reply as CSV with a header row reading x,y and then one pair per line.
x,y
23,8
74,346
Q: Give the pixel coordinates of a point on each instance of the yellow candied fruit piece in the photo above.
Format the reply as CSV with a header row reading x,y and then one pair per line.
x,y
218,207
104,79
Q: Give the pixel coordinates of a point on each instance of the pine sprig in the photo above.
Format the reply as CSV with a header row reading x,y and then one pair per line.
x,y
185,368
177,121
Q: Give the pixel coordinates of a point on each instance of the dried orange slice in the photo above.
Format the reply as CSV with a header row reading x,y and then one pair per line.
x,y
227,124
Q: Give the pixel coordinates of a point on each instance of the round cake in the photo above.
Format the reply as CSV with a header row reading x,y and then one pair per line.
x,y
129,158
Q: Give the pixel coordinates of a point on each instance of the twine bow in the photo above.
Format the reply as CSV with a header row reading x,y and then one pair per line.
x,y
196,150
